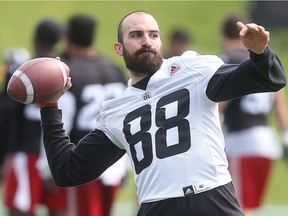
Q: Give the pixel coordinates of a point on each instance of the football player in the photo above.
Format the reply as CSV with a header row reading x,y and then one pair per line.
x,y
167,121
98,79
24,187
252,143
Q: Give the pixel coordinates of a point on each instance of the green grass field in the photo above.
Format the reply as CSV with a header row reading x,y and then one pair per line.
x,y
202,18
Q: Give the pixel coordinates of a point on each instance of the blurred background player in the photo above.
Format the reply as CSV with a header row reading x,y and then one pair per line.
x,y
13,57
24,189
95,79
47,35
179,41
251,143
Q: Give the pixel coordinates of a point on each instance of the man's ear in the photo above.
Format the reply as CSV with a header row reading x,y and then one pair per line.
x,y
118,49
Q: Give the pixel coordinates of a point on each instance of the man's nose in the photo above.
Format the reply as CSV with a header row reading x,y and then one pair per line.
x,y
146,42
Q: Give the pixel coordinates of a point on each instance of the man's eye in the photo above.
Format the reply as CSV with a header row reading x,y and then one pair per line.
x,y
135,35
155,35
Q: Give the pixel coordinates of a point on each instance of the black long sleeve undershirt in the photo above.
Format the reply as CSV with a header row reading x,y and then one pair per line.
x,y
73,165
69,164
259,73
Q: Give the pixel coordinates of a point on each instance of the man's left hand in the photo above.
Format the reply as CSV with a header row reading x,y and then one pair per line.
x,y
254,37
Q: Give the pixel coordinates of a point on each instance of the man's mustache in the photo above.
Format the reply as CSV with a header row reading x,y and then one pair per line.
x,y
145,49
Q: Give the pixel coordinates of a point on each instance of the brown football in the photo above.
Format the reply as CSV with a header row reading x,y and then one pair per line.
x,y
37,80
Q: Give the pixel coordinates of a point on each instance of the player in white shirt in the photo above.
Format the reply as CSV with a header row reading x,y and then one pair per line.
x,y
167,121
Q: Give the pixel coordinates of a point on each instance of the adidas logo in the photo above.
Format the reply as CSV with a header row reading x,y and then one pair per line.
x,y
174,69
188,190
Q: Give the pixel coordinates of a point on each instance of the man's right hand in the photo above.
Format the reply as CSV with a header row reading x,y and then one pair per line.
x,y
56,97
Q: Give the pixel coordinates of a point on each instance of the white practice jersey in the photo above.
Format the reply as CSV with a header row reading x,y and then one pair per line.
x,y
171,130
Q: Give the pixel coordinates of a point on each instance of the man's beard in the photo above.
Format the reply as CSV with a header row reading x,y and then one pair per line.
x,y
145,61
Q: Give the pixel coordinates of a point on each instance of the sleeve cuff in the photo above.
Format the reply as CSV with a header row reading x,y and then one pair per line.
x,y
51,114
258,57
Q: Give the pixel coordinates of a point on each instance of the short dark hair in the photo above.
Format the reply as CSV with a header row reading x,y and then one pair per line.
x,y
48,32
81,30
229,28
180,35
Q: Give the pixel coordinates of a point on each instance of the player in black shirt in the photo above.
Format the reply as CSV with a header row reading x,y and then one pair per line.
x,y
98,79
24,189
251,143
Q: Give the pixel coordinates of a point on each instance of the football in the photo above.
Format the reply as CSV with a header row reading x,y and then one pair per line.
x,y
37,80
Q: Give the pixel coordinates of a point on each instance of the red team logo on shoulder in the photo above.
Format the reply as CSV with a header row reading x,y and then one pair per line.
x,y
174,69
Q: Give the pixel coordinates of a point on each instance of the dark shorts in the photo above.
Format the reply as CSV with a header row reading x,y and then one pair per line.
x,y
220,201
